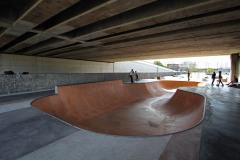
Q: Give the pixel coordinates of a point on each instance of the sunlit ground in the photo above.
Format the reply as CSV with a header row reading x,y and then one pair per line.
x,y
199,77
213,62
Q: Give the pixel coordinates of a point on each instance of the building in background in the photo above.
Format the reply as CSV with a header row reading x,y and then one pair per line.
x,y
174,66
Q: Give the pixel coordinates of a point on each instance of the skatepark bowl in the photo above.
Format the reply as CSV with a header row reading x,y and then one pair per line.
x,y
131,109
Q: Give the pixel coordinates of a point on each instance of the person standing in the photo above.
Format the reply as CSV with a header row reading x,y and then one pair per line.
x,y
188,75
131,75
136,76
213,77
220,78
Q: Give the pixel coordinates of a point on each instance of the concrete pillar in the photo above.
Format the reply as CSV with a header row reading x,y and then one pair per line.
x,y
234,65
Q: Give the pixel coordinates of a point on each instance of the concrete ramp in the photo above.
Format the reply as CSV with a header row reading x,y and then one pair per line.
x,y
174,84
126,109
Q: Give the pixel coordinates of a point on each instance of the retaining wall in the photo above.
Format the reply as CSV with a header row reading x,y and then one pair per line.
x,y
16,83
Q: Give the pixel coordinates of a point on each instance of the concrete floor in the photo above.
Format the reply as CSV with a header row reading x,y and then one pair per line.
x,y
28,133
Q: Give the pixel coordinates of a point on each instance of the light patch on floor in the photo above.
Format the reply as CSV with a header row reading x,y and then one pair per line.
x,y
7,107
85,145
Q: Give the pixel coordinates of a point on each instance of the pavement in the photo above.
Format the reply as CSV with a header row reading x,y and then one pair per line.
x,y
28,133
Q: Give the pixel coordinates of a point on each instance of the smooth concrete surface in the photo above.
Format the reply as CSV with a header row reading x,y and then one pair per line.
x,y
24,96
21,63
220,135
85,145
25,130
183,145
217,136
15,102
14,106
126,109
152,116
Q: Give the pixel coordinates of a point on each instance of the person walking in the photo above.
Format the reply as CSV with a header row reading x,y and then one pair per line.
x,y
213,77
220,78
131,75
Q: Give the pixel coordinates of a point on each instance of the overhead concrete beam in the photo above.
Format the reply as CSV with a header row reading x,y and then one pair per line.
x,y
190,52
59,49
7,16
152,10
221,27
12,16
194,49
39,45
64,17
202,19
72,13
118,29
17,40
192,21
206,42
206,30
164,56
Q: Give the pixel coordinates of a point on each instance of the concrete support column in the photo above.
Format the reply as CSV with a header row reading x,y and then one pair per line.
x,y
234,65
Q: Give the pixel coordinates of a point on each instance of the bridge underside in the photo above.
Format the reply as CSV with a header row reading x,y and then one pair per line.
x,y
119,30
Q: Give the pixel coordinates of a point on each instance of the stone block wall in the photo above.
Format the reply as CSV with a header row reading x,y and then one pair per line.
x,y
16,83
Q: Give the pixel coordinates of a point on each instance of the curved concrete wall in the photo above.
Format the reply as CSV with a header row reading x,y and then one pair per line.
x,y
90,106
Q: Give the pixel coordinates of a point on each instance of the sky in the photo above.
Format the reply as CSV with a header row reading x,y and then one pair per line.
x,y
201,62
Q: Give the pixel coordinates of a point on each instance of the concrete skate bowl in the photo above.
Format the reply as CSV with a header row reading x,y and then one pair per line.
x,y
115,108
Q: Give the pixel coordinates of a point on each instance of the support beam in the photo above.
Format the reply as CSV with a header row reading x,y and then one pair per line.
x,y
64,17
163,56
75,12
192,21
234,65
17,40
113,30
72,13
186,22
14,15
199,31
204,19
59,50
222,27
153,10
48,42
151,54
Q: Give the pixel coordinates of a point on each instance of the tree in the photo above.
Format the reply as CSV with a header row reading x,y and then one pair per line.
x,y
158,63
209,71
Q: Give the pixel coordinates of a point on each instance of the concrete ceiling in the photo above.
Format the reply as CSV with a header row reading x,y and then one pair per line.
x,y
119,30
